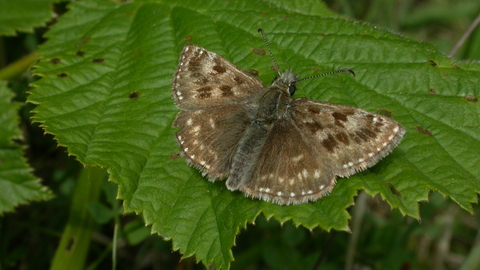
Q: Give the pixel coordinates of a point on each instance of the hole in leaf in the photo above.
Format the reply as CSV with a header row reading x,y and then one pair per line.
x,y
384,112
471,99
134,95
423,130
98,60
70,244
84,41
55,61
395,191
253,72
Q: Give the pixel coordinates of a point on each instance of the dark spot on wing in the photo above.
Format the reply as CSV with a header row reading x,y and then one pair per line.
x,y
313,110
204,92
369,133
226,91
238,80
219,69
364,135
339,116
330,143
342,137
313,126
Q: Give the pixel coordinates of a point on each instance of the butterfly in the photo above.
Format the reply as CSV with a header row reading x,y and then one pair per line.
x,y
267,144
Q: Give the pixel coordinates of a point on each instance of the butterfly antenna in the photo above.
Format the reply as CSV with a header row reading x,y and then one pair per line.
x,y
268,47
329,73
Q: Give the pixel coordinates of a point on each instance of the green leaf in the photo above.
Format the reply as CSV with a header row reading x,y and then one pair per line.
x,y
105,95
24,15
17,183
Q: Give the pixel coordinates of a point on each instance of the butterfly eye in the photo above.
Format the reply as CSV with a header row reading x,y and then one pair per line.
x,y
291,88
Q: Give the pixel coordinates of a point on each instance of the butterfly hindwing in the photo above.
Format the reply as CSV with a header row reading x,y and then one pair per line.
x,y
208,137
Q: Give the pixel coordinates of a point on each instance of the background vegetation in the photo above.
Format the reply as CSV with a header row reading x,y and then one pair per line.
x,y
45,226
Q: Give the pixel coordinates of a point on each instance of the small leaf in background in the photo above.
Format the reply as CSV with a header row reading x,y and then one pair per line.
x,y
17,183
24,15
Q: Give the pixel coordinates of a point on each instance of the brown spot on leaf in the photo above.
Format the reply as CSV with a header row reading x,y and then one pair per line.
x,y
98,60
84,41
187,39
395,191
80,53
62,75
253,72
383,112
175,156
432,91
330,143
423,130
472,99
134,95
258,51
55,61
432,63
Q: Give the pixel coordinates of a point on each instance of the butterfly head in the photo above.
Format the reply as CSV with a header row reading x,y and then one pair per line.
x,y
286,80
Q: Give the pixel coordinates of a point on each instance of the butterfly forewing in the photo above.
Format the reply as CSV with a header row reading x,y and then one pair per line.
x,y
353,139
205,79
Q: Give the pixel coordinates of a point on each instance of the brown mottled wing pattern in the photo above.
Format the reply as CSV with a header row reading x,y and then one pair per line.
x,y
204,78
287,170
208,137
314,143
212,93
353,139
